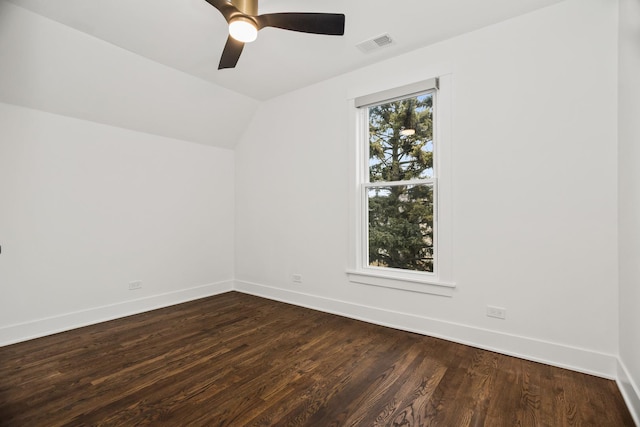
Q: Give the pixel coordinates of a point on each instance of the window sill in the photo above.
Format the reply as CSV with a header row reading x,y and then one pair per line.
x,y
423,286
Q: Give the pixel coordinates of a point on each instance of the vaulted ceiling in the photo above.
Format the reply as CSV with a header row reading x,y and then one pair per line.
x,y
188,35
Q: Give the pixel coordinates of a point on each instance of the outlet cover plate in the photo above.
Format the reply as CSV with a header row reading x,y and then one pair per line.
x,y
497,312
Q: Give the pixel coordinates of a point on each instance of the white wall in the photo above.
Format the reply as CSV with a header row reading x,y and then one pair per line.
x,y
535,183
86,208
629,200
51,67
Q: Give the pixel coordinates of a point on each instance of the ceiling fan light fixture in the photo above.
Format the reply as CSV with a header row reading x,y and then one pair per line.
x,y
243,29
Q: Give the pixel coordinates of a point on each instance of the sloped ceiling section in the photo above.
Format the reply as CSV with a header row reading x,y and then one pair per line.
x,y
151,65
51,67
189,35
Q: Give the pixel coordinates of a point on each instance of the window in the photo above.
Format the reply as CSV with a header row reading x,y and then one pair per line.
x,y
397,224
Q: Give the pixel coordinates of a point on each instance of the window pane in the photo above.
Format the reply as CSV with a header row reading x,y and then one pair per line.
x,y
401,227
401,139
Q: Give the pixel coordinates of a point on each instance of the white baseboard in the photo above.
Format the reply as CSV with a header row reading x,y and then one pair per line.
x,y
576,359
41,327
630,391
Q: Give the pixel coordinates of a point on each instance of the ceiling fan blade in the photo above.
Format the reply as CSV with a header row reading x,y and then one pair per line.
x,y
316,23
226,8
231,53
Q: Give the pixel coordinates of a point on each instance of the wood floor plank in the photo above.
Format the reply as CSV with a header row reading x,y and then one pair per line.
x,y
239,360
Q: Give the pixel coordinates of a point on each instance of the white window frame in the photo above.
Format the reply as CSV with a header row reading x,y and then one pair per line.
x,y
440,282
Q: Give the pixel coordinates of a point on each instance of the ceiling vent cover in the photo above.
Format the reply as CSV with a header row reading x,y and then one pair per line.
x,y
375,43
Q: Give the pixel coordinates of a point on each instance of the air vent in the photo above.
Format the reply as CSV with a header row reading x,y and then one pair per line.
x,y
375,43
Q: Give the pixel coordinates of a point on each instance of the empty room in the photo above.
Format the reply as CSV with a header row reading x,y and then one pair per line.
x,y
320,213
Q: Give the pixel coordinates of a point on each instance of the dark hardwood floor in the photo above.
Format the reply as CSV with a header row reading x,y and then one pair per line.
x,y
239,360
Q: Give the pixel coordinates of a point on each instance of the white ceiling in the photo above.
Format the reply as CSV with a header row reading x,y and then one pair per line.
x,y
189,35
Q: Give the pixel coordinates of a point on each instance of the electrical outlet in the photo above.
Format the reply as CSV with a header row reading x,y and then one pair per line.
x,y
497,312
297,278
136,284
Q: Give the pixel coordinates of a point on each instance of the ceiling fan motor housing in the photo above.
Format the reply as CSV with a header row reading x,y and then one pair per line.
x,y
248,7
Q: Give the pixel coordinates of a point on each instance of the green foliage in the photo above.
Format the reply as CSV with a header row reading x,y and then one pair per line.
x,y
401,216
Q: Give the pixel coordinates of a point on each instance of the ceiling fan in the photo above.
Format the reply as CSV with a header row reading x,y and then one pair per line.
x,y
244,24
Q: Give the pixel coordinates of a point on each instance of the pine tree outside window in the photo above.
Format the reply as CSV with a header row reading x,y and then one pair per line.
x,y
400,192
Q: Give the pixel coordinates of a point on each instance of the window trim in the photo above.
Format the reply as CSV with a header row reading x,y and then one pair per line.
x,y
389,95
440,281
